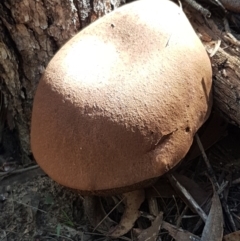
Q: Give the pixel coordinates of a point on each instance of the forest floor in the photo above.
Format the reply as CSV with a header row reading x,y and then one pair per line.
x,y
33,207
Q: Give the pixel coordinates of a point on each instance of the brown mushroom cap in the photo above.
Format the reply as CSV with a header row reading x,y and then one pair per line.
x,y
121,101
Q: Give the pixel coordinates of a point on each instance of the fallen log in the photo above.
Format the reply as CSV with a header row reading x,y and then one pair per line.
x,y
31,33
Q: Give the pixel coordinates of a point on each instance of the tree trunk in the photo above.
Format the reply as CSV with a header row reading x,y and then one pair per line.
x,y
32,31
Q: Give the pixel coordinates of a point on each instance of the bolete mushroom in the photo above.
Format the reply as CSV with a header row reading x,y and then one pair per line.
x,y
120,103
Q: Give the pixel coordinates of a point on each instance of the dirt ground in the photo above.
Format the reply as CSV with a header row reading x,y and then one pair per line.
x,y
33,207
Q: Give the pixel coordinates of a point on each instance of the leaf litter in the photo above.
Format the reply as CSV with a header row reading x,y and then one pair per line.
x,y
185,205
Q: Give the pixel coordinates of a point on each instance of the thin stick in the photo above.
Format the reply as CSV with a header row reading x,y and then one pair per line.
x,y
18,171
209,167
199,8
188,196
108,214
213,179
229,37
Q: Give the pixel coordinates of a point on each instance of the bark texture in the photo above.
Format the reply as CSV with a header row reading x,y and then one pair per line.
x,y
32,31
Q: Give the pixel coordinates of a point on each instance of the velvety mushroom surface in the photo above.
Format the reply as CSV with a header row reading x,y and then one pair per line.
x,y
121,101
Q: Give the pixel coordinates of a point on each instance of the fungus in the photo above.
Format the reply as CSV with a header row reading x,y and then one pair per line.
x,y
118,107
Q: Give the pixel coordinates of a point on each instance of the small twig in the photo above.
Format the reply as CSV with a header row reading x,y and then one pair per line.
x,y
174,199
197,225
30,206
188,196
59,236
222,187
147,215
236,181
218,3
209,167
229,36
236,216
206,13
104,236
180,217
18,171
108,214
229,214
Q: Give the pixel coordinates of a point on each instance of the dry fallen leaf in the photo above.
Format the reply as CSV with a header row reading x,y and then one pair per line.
x,y
151,233
213,230
235,236
179,234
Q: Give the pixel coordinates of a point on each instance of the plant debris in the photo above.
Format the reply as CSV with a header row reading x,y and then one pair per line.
x,y
33,207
